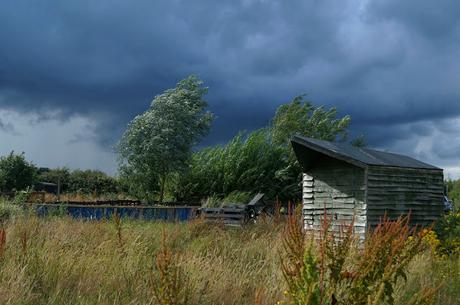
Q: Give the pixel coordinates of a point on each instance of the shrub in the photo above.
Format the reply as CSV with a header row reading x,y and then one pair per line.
x,y
448,232
92,182
246,164
16,173
56,175
453,188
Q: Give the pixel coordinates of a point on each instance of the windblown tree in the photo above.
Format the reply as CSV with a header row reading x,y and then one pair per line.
x,y
158,143
301,117
247,163
263,160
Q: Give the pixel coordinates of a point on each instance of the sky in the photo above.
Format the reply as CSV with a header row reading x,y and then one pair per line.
x,y
74,73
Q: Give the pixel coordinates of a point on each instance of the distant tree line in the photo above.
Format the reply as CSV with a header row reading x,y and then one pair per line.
x,y
81,181
16,174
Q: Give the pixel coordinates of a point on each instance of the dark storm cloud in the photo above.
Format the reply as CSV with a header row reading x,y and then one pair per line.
x,y
387,63
115,56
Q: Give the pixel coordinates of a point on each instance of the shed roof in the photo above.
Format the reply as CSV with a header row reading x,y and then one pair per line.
x,y
362,157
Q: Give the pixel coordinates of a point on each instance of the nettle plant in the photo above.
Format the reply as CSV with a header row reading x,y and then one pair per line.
x,y
334,267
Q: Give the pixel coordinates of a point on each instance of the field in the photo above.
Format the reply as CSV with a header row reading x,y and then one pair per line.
x,y
65,261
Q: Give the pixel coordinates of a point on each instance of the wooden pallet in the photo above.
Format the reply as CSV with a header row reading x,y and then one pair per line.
x,y
229,216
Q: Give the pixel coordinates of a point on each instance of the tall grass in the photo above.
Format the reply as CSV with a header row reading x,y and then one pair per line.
x,y
66,261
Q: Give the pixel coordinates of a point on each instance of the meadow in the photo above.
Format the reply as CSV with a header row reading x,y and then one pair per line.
x,y
59,260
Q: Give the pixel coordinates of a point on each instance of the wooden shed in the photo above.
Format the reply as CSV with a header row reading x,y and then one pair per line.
x,y
350,182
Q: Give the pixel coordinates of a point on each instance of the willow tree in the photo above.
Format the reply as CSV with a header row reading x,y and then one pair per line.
x,y
301,117
159,142
262,160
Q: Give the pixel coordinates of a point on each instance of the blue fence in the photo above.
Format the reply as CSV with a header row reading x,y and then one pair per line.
x,y
179,213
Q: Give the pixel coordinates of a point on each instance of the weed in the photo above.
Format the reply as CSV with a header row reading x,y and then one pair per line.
x,y
169,283
345,271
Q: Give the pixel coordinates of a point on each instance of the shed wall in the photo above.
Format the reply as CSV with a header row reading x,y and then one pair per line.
x,y
399,191
338,188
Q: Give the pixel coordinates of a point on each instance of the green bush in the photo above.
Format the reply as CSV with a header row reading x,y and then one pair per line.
x,y
56,175
92,182
448,232
245,164
16,173
453,188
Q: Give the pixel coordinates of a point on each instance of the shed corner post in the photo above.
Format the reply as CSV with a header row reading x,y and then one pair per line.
x,y
366,179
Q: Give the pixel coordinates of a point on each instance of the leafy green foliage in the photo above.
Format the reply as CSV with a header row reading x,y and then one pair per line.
x,y
16,173
263,160
453,188
247,164
158,143
81,181
448,232
300,116
55,175
360,141
92,182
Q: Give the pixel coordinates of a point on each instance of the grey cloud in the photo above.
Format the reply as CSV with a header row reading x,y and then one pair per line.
x,y
7,127
390,64
432,20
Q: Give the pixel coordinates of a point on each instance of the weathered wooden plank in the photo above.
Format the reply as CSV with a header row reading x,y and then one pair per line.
x,y
400,191
225,216
340,201
337,188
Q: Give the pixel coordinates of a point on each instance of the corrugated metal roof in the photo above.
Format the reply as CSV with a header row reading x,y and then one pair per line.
x,y
363,156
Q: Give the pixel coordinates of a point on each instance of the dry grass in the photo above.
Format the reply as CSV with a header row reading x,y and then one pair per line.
x,y
65,261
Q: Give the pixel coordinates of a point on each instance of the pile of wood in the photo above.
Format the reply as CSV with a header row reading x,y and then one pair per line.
x,y
231,215
235,214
